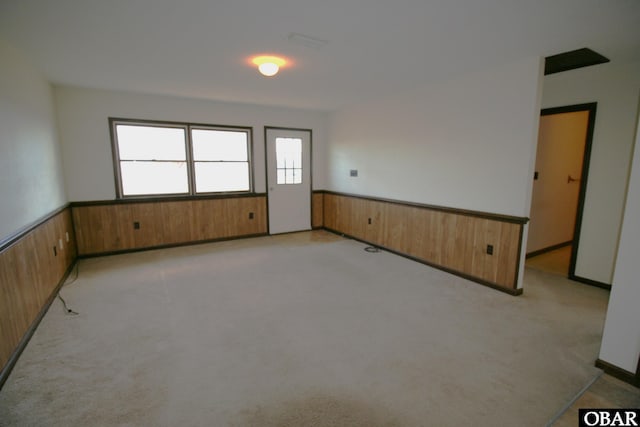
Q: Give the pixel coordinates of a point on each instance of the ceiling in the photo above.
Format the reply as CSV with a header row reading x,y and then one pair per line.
x,y
200,48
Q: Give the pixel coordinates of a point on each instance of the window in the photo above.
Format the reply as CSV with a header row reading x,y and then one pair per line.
x,y
153,158
289,160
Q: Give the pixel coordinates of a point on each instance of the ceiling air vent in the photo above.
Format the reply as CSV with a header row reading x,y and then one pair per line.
x,y
307,41
571,60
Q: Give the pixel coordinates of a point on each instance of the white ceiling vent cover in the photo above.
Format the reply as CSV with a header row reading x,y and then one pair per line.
x,y
307,41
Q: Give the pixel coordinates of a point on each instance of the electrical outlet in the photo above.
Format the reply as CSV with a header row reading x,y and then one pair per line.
x,y
489,249
136,225
250,215
66,235
353,172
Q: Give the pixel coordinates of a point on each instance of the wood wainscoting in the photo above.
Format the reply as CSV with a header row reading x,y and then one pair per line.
x,y
317,209
106,227
33,265
457,241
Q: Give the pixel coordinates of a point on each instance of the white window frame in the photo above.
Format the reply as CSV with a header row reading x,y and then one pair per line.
x,y
114,122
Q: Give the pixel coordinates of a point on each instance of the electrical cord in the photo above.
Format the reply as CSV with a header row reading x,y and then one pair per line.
x,y
67,310
76,269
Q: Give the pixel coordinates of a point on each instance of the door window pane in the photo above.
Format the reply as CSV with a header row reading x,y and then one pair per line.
x,y
288,160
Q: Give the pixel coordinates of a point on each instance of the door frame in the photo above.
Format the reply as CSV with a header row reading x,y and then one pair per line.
x,y
266,167
591,108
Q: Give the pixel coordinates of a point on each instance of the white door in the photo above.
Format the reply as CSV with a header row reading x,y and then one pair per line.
x,y
288,179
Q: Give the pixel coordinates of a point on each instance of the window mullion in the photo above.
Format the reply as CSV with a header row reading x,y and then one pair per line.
x,y
190,162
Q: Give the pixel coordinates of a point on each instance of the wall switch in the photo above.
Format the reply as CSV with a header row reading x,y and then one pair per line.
x,y
490,249
353,172
250,215
66,236
136,225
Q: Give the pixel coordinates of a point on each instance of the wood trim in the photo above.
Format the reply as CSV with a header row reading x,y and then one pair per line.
x,y
548,249
589,282
13,238
569,108
8,367
165,199
518,258
619,373
514,292
457,211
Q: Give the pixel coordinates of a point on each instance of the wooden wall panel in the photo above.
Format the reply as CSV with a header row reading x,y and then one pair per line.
x,y
329,211
176,222
208,221
317,210
30,271
109,227
105,228
453,240
238,216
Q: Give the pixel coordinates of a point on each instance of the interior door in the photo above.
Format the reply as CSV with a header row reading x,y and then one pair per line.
x,y
288,154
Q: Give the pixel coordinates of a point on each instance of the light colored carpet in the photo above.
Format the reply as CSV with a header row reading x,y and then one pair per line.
x,y
301,330
606,392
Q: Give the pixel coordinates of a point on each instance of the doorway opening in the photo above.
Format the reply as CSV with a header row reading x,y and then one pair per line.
x,y
560,182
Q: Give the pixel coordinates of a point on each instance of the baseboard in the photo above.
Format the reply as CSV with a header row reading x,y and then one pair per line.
x,y
548,249
590,282
619,373
6,370
514,292
169,245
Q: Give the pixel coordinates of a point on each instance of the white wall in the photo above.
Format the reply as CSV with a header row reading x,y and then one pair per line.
x,y
614,87
31,184
621,338
84,132
465,143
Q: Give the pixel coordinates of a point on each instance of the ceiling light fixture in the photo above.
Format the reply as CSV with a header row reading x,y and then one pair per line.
x,y
268,65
